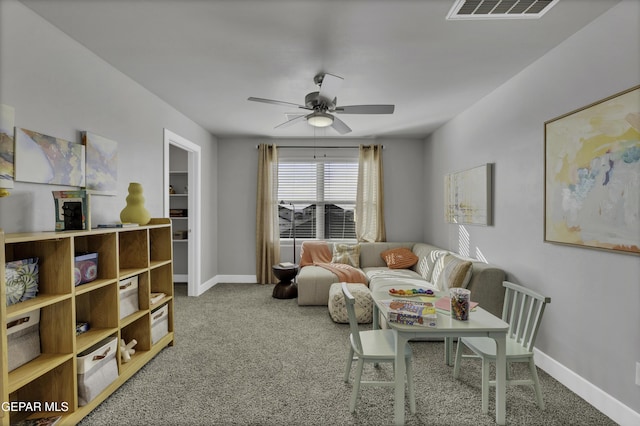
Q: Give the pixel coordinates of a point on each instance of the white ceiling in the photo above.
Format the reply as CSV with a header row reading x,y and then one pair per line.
x,y
205,58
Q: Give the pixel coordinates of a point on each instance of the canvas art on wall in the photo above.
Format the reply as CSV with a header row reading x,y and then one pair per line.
x,y
7,119
592,175
44,159
468,196
102,164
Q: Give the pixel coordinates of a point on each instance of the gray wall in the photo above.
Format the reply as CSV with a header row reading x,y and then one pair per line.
x,y
237,173
59,88
595,294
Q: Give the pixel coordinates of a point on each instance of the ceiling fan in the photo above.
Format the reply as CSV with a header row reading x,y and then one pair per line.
x,y
322,105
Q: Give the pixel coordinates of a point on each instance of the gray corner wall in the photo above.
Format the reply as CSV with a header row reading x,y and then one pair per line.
x,y
592,326
59,88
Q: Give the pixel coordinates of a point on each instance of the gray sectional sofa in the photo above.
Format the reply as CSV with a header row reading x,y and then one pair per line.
x,y
485,283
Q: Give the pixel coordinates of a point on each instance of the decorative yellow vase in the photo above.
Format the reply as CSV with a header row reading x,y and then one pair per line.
x,y
135,212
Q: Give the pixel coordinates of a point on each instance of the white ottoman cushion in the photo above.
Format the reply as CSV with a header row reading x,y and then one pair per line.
x,y
364,303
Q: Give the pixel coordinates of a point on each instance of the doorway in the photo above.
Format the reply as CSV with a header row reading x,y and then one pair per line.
x,y
185,197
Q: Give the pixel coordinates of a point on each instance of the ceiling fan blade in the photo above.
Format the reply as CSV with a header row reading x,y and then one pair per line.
x,y
292,115
290,122
365,109
330,87
340,126
271,101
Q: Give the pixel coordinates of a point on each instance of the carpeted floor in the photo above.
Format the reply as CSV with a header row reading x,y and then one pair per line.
x,y
242,357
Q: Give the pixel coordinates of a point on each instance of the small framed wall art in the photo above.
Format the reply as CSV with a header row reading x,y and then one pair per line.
x,y
102,164
468,196
592,175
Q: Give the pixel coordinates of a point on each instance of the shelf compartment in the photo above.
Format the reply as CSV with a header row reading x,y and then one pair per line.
x,y
99,308
57,328
103,244
162,279
56,343
36,368
133,249
143,291
140,330
56,385
55,264
159,250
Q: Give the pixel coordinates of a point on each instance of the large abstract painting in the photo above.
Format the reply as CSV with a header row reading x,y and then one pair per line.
x,y
44,159
102,164
468,196
592,175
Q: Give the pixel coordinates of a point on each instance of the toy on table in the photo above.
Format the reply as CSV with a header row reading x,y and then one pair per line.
x,y
412,292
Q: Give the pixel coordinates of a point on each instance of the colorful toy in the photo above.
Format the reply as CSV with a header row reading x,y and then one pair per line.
x,y
413,292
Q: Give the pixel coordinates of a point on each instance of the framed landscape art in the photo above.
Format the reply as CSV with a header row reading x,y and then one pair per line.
x,y
592,175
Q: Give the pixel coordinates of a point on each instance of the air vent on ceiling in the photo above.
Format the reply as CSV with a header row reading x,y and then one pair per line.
x,y
500,9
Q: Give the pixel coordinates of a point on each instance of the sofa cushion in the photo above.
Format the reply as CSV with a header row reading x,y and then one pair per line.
x,y
427,262
399,258
451,271
314,283
370,252
349,254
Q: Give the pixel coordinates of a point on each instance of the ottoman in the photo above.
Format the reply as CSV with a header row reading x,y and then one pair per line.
x,y
364,303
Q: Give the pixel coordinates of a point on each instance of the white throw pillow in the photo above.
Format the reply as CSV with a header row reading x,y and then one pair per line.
x,y
347,254
452,271
426,265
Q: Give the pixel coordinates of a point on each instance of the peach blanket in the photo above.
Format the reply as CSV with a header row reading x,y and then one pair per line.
x,y
317,253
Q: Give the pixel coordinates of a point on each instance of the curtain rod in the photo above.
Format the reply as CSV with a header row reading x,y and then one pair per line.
x,y
319,147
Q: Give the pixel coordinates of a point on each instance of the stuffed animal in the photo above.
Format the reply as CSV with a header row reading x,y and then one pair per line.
x,y
126,349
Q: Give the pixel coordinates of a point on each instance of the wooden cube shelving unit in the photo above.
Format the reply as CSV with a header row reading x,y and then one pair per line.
x,y
145,251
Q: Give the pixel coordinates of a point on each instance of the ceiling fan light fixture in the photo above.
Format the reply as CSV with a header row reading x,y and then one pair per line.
x,y
320,119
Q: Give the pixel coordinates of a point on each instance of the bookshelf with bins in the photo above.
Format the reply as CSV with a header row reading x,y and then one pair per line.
x,y
51,378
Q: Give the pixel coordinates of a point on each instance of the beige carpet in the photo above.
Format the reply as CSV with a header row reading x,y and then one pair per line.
x,y
244,358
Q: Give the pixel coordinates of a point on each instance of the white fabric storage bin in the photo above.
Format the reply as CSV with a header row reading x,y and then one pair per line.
x,y
128,292
97,369
23,338
159,323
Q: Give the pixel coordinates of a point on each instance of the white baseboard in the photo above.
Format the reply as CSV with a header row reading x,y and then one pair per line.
x,y
611,407
236,279
180,278
225,279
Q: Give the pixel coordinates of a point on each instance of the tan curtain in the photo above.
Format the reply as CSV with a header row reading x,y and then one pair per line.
x,y
267,226
370,197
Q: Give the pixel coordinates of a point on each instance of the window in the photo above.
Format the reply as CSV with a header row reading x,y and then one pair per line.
x,y
321,195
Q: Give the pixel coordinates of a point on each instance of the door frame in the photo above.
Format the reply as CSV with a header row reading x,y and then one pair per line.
x,y
194,182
